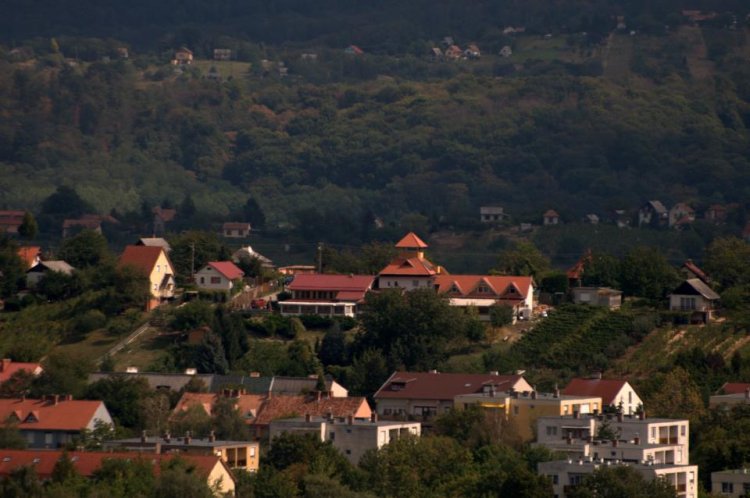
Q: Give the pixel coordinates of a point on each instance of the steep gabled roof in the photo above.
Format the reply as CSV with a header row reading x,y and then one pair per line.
x,y
8,368
607,389
58,266
410,267
499,284
734,388
694,286
693,268
411,241
442,386
227,269
143,258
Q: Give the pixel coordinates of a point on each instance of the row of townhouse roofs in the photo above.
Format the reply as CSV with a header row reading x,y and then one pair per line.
x,y
652,213
593,421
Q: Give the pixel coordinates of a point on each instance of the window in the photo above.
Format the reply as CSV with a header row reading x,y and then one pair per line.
x,y
215,280
203,280
483,289
687,303
332,436
727,487
348,452
158,268
48,438
682,430
630,397
551,430
555,479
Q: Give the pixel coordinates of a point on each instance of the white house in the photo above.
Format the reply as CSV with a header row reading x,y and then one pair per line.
x,y
614,392
218,275
694,296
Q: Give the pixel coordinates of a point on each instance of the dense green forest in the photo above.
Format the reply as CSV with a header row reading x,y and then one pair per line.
x,y
584,117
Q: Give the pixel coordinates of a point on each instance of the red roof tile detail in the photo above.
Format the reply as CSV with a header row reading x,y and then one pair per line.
x,y
410,267
86,463
286,406
411,241
323,282
247,404
227,269
442,386
512,287
141,257
8,368
66,415
29,254
735,387
607,389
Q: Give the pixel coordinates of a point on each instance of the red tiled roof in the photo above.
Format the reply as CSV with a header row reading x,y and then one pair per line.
x,y
8,368
247,404
141,257
66,415
324,282
606,389
442,386
693,268
411,241
280,406
261,410
234,225
499,285
409,267
228,269
551,213
575,272
29,254
86,463
734,387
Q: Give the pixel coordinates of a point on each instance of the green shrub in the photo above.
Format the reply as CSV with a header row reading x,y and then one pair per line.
x,y
90,321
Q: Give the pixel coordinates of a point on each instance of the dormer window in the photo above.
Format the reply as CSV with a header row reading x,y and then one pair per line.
x,y
31,418
397,386
454,289
483,289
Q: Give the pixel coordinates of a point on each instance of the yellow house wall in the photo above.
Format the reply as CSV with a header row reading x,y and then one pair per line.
x,y
161,267
220,477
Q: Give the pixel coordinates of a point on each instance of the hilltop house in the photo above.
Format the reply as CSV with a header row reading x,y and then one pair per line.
x,y
235,230
680,215
550,218
613,392
653,213
218,275
153,263
597,296
54,421
326,295
491,214
182,55
426,394
410,269
42,268
695,296
11,220
484,291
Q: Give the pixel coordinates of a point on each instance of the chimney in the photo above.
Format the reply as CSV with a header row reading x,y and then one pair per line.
x,y
614,443
494,372
211,437
556,393
4,363
167,438
329,416
143,437
188,437
374,417
533,393
254,374
350,419
320,395
308,418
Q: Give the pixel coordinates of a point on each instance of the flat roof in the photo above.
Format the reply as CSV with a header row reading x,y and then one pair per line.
x,y
178,441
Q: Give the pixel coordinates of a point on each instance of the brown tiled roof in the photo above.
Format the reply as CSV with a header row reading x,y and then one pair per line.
x,y
280,406
66,415
409,267
323,282
247,404
443,386
141,257
86,463
693,268
606,389
411,241
734,387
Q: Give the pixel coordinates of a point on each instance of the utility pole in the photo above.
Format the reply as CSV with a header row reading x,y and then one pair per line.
x,y
320,257
192,261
